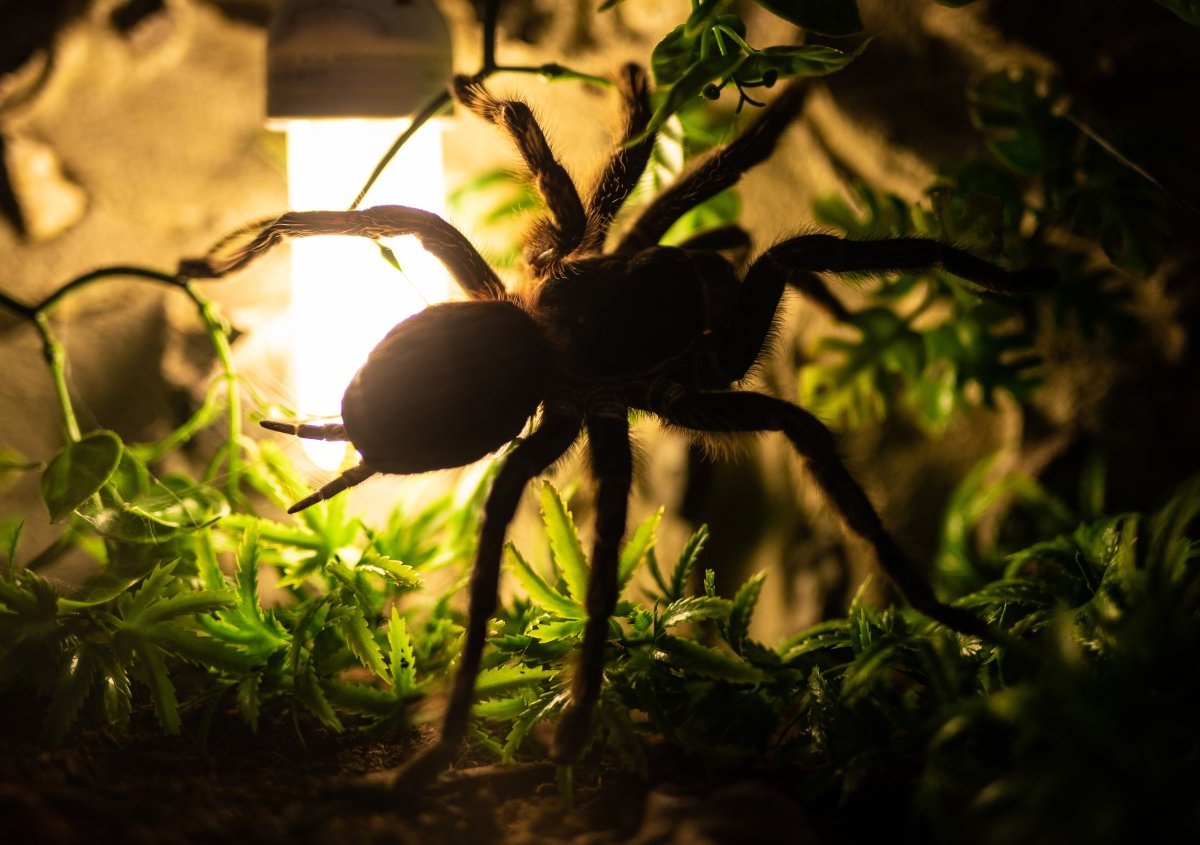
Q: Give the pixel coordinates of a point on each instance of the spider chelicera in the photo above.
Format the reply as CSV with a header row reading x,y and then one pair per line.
x,y
592,336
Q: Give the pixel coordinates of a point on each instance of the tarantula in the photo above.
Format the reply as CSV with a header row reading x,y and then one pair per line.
x,y
591,337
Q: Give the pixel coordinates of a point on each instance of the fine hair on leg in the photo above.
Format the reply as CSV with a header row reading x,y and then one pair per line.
x,y
744,411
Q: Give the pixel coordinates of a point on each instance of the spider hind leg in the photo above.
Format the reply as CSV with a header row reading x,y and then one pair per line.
x,y
309,431
351,477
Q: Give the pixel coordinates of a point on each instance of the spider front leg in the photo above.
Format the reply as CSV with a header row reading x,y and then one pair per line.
x,y
718,170
532,456
441,239
747,412
612,464
563,232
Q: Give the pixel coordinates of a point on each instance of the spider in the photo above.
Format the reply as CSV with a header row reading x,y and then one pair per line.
x,y
592,336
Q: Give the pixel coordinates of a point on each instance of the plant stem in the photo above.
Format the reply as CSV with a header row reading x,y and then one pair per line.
x,y
56,360
215,327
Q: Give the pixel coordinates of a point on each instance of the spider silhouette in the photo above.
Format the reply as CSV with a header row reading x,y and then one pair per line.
x,y
592,336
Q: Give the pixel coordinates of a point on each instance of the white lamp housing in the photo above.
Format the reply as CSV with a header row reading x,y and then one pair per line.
x,y
344,78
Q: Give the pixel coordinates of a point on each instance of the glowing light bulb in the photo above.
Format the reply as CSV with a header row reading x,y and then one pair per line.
x,y
345,297
339,75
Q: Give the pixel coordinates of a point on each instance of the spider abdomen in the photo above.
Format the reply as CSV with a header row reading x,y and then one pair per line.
x,y
447,386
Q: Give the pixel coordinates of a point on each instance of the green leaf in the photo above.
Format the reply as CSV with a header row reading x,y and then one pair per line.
x,y
400,574
743,609
503,709
543,594
549,631
402,658
162,691
687,561
72,690
634,551
186,603
117,696
564,542
504,679
673,55
689,86
796,60
309,692
827,17
696,659
352,625
1189,10
694,609
1016,114
79,471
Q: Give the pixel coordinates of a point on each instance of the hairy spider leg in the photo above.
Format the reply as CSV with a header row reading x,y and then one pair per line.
x,y
718,170
745,412
533,455
442,240
550,239
797,260
626,164
612,465
309,431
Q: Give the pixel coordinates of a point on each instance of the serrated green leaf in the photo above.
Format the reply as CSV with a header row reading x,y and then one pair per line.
x,y
117,697
564,542
634,551
549,631
539,711
543,594
150,591
402,659
502,679
743,610
309,692
187,603
833,633
72,690
503,709
687,561
694,609
400,574
693,658
162,691
827,17
352,625
78,472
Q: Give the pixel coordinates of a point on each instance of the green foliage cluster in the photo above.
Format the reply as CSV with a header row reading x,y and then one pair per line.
x,y
960,734
1051,195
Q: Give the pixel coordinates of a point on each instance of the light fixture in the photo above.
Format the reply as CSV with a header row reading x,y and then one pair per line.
x,y
344,78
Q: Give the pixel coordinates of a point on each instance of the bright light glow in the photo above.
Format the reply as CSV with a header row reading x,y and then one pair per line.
x,y
345,297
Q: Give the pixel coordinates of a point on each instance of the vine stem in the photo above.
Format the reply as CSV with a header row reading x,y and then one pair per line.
x,y
55,355
56,360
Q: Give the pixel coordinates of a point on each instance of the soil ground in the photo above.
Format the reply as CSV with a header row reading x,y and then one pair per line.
x,y
269,788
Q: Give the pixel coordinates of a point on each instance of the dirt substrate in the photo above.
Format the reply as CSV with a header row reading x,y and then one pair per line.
x,y
269,788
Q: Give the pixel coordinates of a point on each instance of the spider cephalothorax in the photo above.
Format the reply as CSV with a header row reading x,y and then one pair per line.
x,y
593,335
